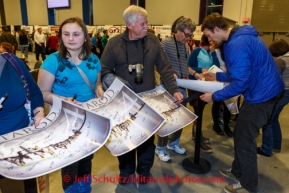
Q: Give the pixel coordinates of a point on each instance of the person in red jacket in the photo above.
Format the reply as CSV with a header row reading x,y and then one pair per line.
x,y
52,43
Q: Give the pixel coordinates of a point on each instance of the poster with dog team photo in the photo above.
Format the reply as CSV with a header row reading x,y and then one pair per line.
x,y
67,134
177,116
133,121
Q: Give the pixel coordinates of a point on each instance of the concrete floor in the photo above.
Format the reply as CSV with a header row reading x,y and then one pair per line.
x,y
272,170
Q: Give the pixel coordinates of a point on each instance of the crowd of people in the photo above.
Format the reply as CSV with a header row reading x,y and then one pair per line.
x,y
244,64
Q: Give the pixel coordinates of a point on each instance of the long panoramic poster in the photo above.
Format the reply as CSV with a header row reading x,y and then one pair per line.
x,y
177,116
133,121
67,134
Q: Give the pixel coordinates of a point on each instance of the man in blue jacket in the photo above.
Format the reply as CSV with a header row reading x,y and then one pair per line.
x,y
252,72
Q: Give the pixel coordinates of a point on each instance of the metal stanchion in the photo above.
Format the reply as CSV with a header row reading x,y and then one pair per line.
x,y
196,164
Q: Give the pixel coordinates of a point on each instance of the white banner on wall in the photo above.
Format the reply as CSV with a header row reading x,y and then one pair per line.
x,y
53,28
91,29
113,30
198,33
45,28
164,30
28,28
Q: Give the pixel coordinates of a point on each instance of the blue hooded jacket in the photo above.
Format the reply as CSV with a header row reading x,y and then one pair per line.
x,y
251,69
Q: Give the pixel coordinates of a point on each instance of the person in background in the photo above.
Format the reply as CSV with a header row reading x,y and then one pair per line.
x,y
200,60
6,36
40,40
159,37
271,133
93,44
177,51
216,108
24,43
33,42
99,49
136,46
13,113
59,76
104,38
191,44
252,72
157,75
52,43
6,47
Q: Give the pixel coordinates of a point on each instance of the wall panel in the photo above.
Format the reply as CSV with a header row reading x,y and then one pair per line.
x,y
37,12
238,9
166,12
271,16
109,12
12,12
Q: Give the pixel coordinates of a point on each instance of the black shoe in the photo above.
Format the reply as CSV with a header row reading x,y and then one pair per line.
x,y
228,132
218,130
142,179
277,148
260,152
123,180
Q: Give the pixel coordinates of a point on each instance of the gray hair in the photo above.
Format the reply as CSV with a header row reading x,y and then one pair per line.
x,y
130,14
185,23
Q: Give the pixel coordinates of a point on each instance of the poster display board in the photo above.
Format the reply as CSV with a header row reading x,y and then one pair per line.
x,y
28,28
163,30
198,33
91,29
53,28
45,28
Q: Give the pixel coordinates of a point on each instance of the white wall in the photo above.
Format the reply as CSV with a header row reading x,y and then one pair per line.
x,y
166,12
238,9
109,12
36,12
12,12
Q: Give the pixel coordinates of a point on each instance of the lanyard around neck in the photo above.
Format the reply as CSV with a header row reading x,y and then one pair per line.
x,y
178,55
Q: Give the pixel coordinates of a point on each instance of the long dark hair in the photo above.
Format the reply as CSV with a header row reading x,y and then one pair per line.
x,y
86,47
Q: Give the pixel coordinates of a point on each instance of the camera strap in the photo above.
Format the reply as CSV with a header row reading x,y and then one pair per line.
x,y
143,48
178,55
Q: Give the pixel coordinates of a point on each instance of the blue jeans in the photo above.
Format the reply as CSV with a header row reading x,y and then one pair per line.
x,y
174,138
24,50
272,136
251,118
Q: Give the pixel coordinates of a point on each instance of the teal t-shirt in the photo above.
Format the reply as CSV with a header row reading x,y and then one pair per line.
x,y
68,81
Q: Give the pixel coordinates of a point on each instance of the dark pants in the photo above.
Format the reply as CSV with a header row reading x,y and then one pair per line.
x,y
272,135
216,112
93,50
251,118
40,50
81,168
145,159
